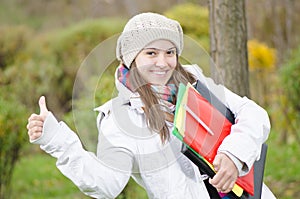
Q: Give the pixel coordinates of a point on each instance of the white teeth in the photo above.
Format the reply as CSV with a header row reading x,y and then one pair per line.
x,y
159,72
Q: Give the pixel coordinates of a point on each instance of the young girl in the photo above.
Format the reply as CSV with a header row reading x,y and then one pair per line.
x,y
134,128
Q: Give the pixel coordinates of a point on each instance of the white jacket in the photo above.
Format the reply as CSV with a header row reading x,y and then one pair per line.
x,y
126,148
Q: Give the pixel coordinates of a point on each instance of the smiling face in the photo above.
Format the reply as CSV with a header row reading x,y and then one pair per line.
x,y
157,61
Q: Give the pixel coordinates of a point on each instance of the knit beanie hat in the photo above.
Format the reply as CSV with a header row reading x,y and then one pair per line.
x,y
143,29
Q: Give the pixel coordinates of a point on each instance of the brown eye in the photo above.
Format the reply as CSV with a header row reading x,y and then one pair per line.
x,y
152,53
171,52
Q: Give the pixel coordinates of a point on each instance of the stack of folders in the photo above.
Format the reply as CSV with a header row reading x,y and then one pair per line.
x,y
202,122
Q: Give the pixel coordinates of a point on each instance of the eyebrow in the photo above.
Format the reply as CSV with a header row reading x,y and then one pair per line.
x,y
159,48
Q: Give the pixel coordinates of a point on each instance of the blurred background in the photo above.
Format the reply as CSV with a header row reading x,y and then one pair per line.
x,y
43,43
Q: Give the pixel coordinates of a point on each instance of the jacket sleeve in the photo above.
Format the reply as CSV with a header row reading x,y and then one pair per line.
x,y
250,131
251,128
90,174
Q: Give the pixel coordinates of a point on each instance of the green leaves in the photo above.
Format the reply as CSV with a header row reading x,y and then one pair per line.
x,y
35,64
290,80
12,137
194,21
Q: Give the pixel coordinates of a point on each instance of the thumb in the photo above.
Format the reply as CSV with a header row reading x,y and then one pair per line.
x,y
217,162
43,107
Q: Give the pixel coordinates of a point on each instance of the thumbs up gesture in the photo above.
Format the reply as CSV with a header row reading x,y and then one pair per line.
x,y
36,121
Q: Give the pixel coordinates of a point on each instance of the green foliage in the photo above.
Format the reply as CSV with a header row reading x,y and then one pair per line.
x,y
49,63
282,167
40,64
12,112
36,176
193,20
13,39
290,74
12,136
290,96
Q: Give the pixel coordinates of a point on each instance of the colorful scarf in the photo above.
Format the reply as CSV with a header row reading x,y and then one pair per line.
x,y
165,92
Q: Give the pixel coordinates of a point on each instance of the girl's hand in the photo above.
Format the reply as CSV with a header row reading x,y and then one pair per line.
x,y
226,175
36,122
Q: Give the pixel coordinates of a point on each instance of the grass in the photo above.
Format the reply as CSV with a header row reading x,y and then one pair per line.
x,y
36,175
282,167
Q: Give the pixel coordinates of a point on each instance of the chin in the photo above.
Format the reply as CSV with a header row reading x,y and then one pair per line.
x,y
159,83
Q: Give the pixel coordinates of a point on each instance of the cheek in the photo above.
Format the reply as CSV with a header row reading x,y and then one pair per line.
x,y
143,71
173,62
144,64
142,61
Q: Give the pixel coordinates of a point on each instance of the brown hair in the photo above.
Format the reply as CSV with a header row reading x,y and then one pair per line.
x,y
154,115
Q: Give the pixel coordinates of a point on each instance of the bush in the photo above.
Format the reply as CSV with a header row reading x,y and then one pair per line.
x,y
45,64
12,41
49,63
12,136
193,20
261,57
12,113
290,96
290,74
262,62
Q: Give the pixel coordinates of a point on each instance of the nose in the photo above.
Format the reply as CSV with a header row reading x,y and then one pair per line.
x,y
161,60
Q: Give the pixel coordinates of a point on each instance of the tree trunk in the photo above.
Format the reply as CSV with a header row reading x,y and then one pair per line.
x,y
228,42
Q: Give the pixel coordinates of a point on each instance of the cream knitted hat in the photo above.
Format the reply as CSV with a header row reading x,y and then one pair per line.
x,y
143,29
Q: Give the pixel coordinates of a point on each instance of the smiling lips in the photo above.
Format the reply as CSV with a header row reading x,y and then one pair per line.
x,y
160,73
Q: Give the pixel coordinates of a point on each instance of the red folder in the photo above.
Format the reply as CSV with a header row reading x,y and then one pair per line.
x,y
207,122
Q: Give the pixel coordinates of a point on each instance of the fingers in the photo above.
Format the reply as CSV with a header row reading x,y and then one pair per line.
x,y
35,117
35,126
226,175
226,183
217,162
34,123
35,132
